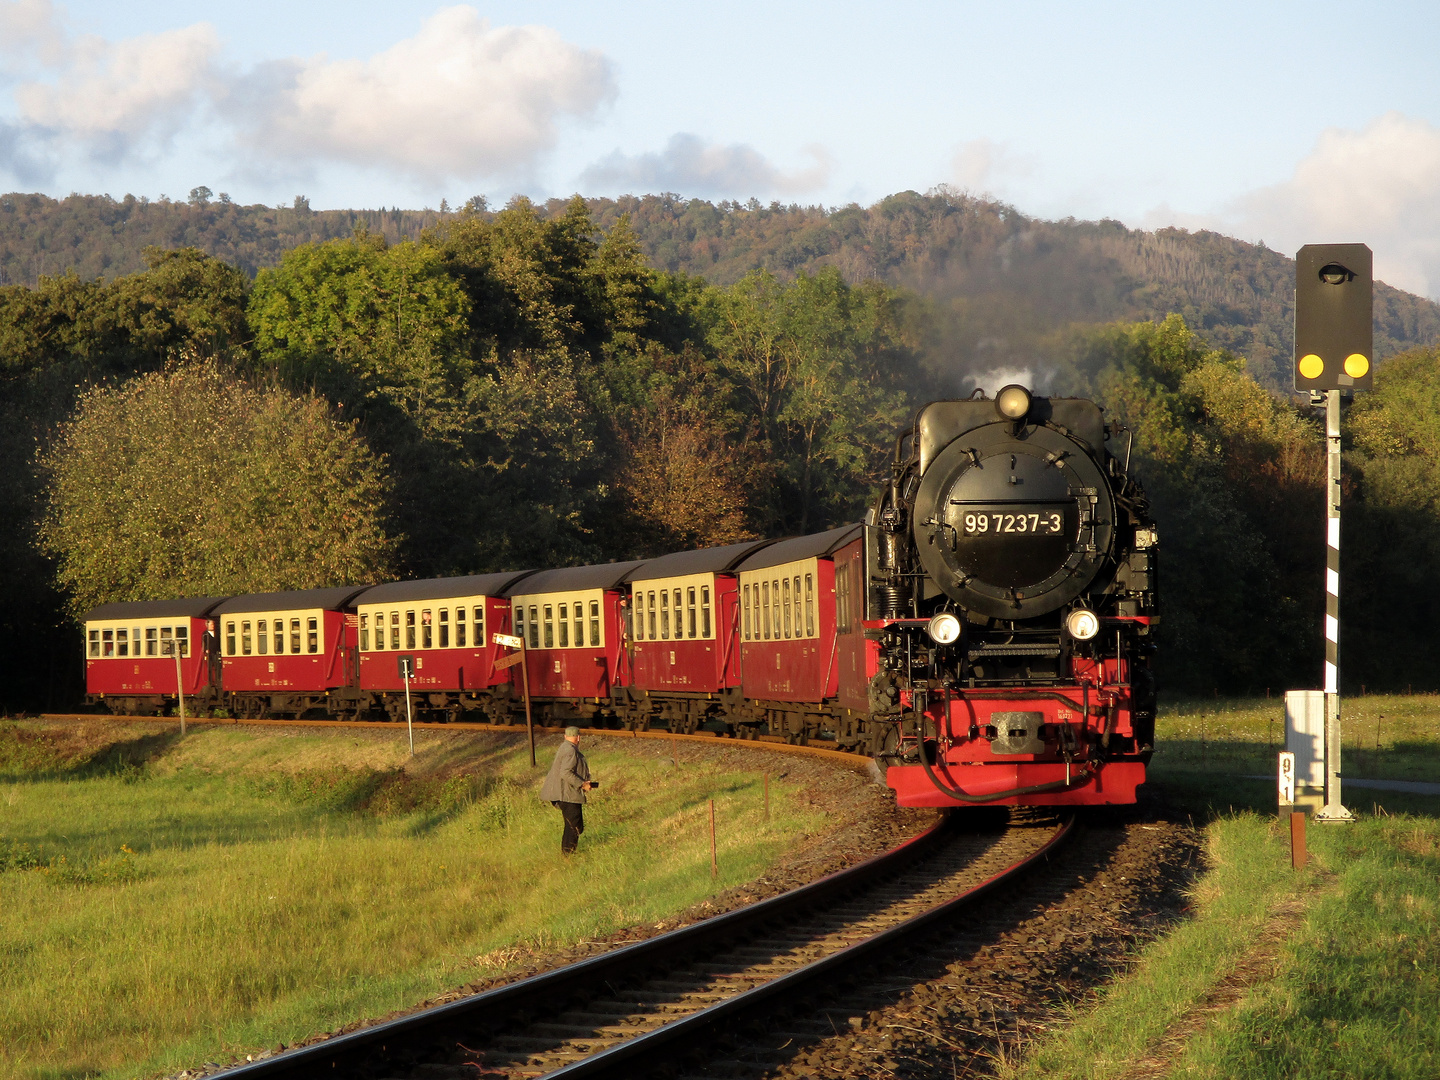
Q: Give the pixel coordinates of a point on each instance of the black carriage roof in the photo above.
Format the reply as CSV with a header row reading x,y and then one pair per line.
x,y
570,578
801,547
195,608
715,560
327,599
442,588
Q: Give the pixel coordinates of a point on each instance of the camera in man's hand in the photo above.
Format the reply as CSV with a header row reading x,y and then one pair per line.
x,y
593,783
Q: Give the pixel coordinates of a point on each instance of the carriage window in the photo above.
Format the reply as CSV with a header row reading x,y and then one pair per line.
x,y
637,600
444,628
705,611
229,639
262,638
765,610
787,607
549,626
565,627
135,640
690,612
110,642
182,636
151,635
409,629
312,630
664,614
379,630
797,605
279,636
122,642
245,643
745,611
460,625
364,632
775,606
534,629
809,606
479,625
294,635
519,623
651,632
580,624
594,624
427,629
842,598
94,642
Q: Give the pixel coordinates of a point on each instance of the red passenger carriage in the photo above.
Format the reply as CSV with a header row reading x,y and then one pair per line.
x,y
685,631
573,623
286,653
446,626
787,614
130,651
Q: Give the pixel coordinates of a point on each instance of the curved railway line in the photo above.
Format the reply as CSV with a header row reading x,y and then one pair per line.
x,y
651,1005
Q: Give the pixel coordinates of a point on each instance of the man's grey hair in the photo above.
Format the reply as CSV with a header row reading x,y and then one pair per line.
x,y
572,732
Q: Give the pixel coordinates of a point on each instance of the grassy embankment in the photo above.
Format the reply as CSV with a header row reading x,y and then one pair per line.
x,y
164,903
1333,972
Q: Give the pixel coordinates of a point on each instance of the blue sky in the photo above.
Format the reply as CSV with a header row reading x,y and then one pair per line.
x,y
1283,122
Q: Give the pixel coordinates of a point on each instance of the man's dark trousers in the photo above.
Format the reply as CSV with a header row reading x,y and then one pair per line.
x,y
574,815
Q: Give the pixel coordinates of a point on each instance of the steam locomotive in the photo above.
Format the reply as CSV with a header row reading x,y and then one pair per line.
x,y
984,633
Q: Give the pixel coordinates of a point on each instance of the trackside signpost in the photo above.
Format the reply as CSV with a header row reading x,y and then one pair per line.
x,y
1334,353
407,672
510,641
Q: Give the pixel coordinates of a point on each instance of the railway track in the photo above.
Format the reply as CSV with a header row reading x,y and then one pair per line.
x,y
653,1004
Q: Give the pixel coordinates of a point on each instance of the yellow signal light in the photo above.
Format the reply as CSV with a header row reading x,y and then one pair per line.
x,y
1356,365
1311,366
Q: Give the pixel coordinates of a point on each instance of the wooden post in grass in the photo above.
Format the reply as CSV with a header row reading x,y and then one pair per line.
x,y
1297,840
518,657
714,863
179,684
1286,783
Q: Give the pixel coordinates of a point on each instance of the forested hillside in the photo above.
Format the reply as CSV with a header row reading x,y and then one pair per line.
x,y
1003,290
526,388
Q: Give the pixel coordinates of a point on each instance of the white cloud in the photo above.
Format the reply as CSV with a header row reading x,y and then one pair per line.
x,y
110,94
1378,186
981,166
694,167
460,99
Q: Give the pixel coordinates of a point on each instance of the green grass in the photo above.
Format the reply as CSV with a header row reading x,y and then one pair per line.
x,y
1395,737
177,910
1354,989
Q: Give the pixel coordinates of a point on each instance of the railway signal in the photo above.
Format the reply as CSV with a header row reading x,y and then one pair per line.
x,y
1334,352
1334,340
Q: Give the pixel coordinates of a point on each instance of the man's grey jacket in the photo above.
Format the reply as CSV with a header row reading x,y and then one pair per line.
x,y
567,773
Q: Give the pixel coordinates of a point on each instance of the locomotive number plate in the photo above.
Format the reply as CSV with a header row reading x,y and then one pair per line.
x,y
1041,520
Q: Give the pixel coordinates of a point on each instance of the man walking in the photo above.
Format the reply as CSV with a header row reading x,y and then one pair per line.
x,y
565,786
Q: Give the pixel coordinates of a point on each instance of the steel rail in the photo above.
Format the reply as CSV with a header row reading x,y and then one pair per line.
x,y
647,1051
486,1011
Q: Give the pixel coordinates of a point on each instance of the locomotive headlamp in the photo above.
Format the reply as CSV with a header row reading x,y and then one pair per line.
x,y
944,629
1082,624
1013,402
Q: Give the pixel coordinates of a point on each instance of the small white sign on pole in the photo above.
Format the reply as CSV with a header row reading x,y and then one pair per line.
x,y
1287,779
509,640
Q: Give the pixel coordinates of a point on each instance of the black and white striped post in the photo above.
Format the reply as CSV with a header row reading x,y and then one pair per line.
x,y
1334,809
1334,343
